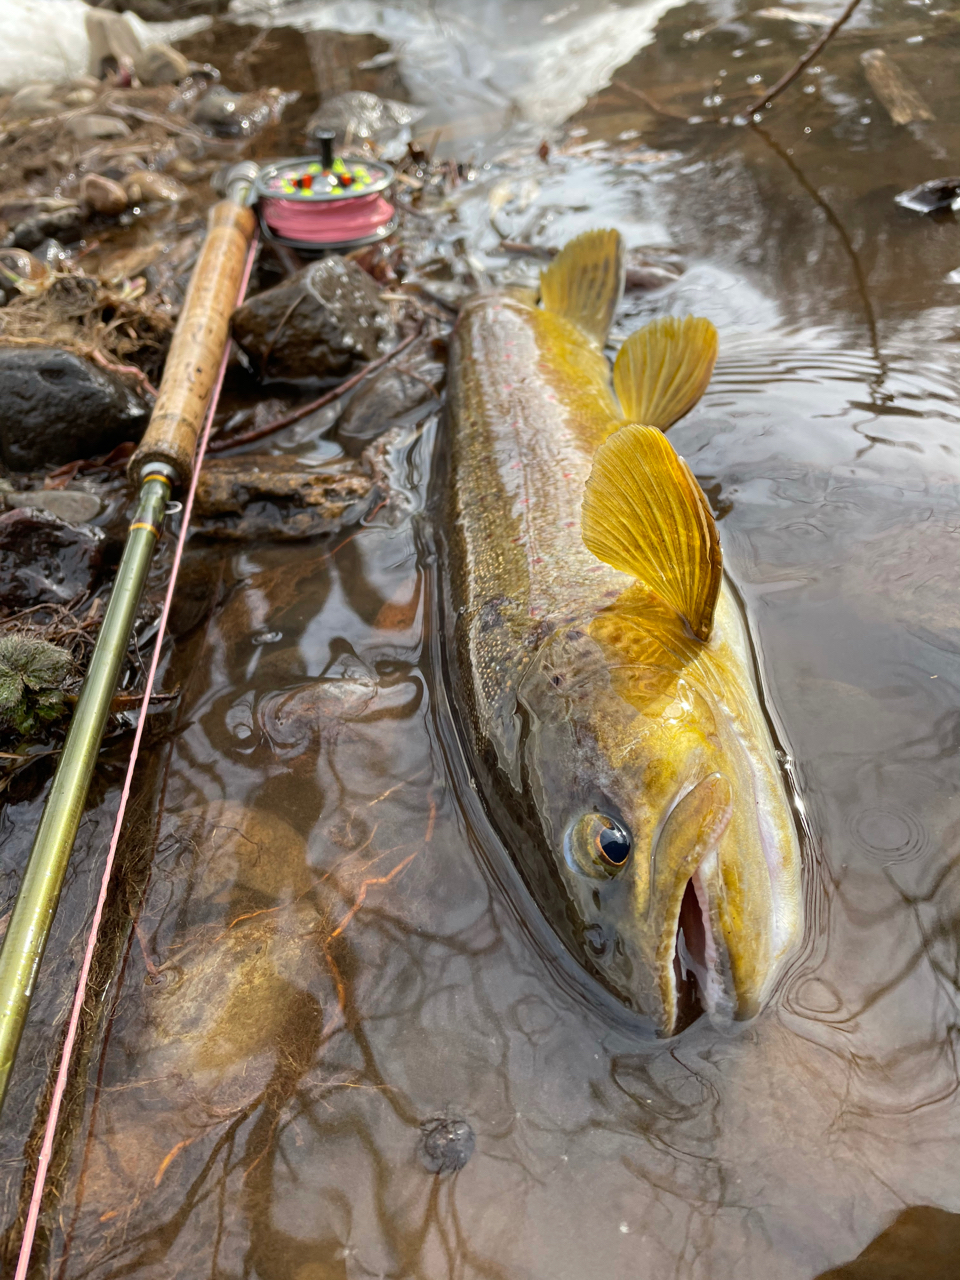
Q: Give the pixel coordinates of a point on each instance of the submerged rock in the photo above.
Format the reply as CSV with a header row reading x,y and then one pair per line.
x,y
445,1146
413,379
44,560
321,321
56,407
64,224
270,496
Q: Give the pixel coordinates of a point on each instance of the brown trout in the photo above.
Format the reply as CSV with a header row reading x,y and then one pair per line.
x,y
600,661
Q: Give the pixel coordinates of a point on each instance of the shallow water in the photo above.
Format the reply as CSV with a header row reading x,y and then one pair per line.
x,y
331,949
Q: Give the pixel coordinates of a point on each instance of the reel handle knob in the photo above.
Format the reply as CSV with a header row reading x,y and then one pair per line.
x,y
325,139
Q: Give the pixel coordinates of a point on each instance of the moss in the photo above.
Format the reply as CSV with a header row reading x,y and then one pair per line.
x,y
32,675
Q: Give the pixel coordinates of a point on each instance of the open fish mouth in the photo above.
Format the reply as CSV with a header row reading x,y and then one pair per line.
x,y
698,986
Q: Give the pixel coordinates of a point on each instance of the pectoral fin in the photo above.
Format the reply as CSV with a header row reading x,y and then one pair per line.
x,y
663,369
584,283
644,513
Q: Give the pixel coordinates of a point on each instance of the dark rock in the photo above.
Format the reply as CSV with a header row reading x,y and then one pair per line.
x,y
43,560
56,407
413,379
445,1146
62,224
272,496
938,193
321,321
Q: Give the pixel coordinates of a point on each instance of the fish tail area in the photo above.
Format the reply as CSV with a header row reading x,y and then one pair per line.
x,y
644,514
584,283
663,369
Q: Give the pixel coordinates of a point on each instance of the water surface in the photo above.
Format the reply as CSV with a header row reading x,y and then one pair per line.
x,y
329,951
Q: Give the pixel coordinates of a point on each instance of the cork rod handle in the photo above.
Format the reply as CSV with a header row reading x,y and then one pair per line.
x,y
198,344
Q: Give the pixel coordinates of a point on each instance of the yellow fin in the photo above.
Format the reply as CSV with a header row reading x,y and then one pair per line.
x,y
663,369
645,514
584,282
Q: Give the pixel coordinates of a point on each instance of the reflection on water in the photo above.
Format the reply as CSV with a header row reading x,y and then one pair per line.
x,y
329,950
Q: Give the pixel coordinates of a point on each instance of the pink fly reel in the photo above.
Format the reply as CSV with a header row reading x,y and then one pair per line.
x,y
331,202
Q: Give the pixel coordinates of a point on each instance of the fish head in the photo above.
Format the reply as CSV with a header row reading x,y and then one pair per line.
x,y
662,806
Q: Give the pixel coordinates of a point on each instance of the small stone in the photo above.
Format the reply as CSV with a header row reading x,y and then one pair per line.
x,y
230,114
445,1146
73,505
44,560
160,64
56,407
103,195
323,320
79,98
33,101
93,128
145,185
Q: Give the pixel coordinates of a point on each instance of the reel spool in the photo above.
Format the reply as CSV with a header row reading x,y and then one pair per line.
x,y
316,204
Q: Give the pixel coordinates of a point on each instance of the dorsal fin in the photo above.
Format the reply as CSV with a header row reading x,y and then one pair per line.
x,y
663,369
584,282
645,514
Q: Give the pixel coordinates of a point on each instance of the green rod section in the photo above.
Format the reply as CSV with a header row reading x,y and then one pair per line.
x,y
36,904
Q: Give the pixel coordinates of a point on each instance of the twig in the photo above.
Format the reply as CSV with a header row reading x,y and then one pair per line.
x,y
650,102
218,446
805,61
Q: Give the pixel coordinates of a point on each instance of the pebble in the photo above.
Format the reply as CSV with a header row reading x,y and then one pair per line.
x,y
445,1146
160,64
92,128
147,185
73,505
103,194
32,101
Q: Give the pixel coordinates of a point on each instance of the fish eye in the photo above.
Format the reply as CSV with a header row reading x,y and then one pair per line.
x,y
597,844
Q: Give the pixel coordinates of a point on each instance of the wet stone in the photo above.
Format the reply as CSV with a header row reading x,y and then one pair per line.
x,y
44,560
63,224
95,128
56,407
73,505
413,379
103,195
160,64
146,185
323,320
445,1146
270,496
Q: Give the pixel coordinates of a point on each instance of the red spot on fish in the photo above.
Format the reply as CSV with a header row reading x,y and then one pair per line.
x,y
538,559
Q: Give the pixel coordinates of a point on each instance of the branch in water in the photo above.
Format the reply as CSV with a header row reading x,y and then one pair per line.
x,y
805,61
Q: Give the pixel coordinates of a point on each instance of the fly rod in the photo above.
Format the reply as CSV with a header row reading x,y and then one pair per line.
x,y
163,460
